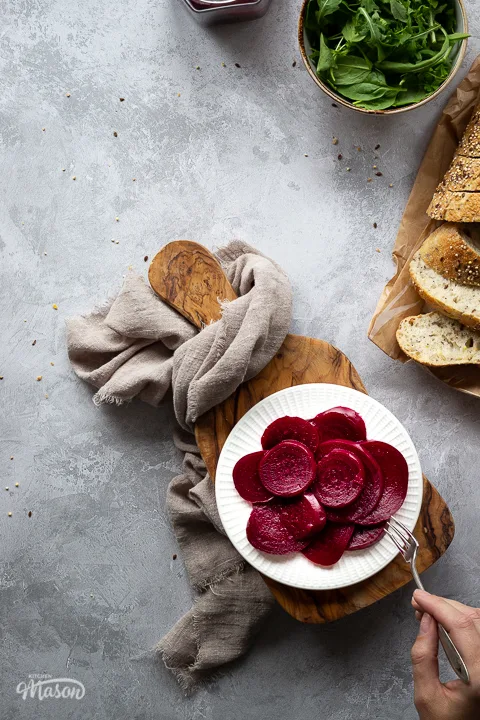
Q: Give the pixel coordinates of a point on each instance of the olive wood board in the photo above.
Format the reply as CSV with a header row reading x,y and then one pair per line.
x,y
190,279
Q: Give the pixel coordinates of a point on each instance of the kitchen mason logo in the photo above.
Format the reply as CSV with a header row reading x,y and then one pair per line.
x,y
46,687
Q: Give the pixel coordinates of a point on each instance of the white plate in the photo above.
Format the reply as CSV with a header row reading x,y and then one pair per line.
x,y
306,401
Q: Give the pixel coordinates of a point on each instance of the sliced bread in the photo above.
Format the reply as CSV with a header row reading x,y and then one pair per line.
x,y
463,174
457,198
454,252
470,142
454,206
461,302
435,340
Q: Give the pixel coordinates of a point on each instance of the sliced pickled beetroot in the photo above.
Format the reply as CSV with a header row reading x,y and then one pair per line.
x,y
363,537
340,423
329,546
247,480
340,478
303,516
267,532
372,489
290,428
287,469
395,476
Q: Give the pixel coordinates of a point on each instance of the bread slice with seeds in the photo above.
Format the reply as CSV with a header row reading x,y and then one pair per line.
x,y
461,302
470,142
446,273
435,340
454,206
463,175
453,251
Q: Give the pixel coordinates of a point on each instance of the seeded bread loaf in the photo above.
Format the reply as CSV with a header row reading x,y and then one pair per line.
x,y
435,340
455,206
457,198
470,142
463,175
453,251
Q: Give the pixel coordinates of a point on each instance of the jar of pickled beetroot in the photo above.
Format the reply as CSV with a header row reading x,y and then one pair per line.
x,y
208,12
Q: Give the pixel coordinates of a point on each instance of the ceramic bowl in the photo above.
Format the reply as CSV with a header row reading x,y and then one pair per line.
x,y
305,49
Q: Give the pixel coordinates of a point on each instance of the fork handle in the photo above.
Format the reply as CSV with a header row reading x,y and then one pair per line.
x,y
453,656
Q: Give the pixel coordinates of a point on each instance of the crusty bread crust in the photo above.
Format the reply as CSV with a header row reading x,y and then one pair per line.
x,y
470,142
463,174
454,206
448,251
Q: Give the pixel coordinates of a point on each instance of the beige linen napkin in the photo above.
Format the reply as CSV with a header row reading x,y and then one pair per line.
x,y
138,346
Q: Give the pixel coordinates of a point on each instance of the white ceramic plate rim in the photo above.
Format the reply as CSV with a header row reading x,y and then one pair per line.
x,y
306,401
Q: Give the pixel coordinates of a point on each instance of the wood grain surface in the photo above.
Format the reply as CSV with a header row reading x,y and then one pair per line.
x,y
189,278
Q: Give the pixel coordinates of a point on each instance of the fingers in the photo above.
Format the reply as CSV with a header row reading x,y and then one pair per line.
x,y
455,603
425,662
449,615
437,607
460,621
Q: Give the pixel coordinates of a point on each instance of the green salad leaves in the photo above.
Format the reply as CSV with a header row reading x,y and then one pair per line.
x,y
382,54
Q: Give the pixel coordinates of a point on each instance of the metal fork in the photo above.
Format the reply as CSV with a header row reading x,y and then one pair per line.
x,y
408,546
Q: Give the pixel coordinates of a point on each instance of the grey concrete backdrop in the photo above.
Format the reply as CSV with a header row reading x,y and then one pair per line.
x,y
88,583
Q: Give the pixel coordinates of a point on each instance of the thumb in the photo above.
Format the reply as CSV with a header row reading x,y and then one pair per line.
x,y
425,660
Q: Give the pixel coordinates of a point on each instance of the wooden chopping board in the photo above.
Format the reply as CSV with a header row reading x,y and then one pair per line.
x,y
190,279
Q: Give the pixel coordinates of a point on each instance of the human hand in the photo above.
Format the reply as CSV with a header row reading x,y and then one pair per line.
x,y
453,700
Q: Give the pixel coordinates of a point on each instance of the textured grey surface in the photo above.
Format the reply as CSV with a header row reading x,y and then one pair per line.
x,y
88,582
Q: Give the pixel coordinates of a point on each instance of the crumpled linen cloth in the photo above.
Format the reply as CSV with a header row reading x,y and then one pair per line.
x,y
138,346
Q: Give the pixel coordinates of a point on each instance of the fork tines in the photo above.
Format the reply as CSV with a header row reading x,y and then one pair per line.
x,y
393,521
399,534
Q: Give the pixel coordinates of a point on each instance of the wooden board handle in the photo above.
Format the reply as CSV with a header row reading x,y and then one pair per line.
x,y
190,279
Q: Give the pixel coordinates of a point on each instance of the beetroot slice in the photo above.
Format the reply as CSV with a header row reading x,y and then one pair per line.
x,y
247,480
372,489
329,546
363,537
395,475
287,469
303,516
340,478
290,428
340,423
266,531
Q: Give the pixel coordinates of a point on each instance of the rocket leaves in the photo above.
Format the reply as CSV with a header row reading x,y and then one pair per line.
x,y
383,53
326,7
398,10
326,58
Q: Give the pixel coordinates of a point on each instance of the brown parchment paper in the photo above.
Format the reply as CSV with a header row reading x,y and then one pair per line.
x,y
399,298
